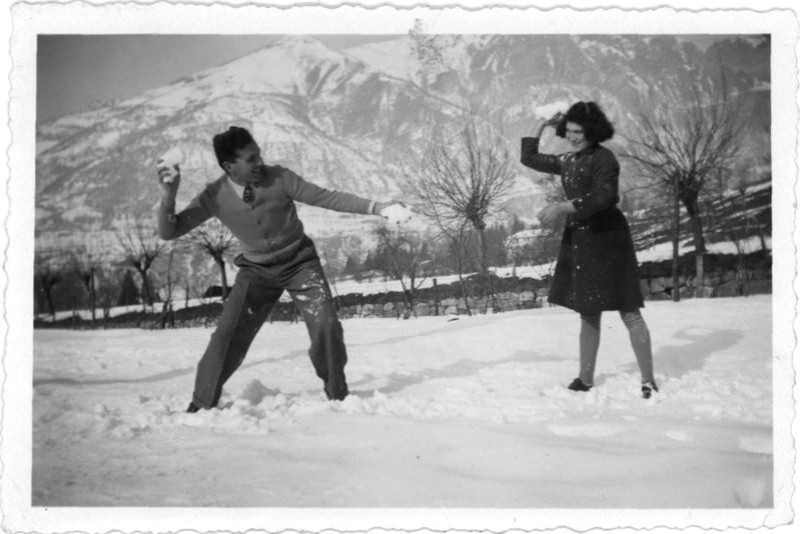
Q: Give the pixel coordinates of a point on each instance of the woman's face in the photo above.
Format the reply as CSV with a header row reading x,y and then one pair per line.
x,y
574,134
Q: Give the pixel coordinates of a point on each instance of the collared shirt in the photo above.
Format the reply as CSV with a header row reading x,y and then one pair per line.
x,y
238,189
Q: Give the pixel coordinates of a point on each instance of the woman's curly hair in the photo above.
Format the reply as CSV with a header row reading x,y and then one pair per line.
x,y
595,124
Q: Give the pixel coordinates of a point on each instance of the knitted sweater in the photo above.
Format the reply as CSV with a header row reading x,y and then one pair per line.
x,y
268,227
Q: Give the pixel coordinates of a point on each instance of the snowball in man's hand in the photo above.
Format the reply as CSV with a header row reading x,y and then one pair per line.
x,y
397,214
170,159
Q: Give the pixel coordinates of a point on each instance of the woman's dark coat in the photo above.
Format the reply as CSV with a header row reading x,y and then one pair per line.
x,y
597,268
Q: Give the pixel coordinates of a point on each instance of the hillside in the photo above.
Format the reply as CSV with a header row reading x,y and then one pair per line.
x,y
358,120
734,215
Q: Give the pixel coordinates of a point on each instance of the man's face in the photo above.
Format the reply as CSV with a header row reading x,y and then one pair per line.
x,y
247,166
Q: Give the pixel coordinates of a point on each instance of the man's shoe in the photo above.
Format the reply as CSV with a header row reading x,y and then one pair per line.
x,y
193,408
338,394
648,387
578,385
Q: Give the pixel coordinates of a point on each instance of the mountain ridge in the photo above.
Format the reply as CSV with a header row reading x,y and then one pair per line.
x,y
341,121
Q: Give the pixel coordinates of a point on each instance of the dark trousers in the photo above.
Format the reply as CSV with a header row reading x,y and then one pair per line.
x,y
254,293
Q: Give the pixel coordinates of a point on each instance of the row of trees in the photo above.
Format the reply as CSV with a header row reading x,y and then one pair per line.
x,y
677,147
99,276
410,259
462,181
689,155
682,151
437,252
95,277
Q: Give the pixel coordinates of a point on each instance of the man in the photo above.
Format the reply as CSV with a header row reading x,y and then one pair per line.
x,y
257,203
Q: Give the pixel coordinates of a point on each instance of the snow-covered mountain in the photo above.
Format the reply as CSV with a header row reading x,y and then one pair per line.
x,y
355,120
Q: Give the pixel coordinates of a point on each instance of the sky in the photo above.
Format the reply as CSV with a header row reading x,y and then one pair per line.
x,y
75,71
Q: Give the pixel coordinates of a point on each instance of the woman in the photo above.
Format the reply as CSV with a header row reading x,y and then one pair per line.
x,y
597,268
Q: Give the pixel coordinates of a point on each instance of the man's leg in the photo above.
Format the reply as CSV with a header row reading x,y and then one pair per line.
x,y
312,295
244,312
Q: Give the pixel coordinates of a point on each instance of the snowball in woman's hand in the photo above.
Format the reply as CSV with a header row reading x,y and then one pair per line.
x,y
397,214
550,219
545,111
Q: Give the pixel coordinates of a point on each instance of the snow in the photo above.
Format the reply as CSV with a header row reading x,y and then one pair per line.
x,y
589,45
108,139
442,414
546,111
393,57
173,156
663,251
43,146
282,67
80,211
397,215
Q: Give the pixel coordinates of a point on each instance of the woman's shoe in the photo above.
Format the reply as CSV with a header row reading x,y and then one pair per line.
x,y
648,387
578,385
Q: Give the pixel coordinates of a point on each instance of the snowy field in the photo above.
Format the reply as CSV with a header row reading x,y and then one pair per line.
x,y
467,413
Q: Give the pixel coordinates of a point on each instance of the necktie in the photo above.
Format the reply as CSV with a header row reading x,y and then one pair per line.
x,y
247,194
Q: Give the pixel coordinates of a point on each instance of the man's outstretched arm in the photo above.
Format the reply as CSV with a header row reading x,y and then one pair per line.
x,y
314,195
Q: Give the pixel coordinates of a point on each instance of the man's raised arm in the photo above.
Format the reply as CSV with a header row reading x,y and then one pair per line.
x,y
170,224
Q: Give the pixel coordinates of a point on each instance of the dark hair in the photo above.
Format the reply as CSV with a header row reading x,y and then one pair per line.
x,y
595,124
227,143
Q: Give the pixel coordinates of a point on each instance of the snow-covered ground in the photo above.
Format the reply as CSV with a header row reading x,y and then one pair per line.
x,y
444,414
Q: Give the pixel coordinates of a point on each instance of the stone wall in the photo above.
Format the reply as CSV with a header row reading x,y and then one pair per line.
x,y
727,284
510,294
530,293
505,301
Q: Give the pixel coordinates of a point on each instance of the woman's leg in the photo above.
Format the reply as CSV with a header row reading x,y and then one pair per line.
x,y
640,341
589,344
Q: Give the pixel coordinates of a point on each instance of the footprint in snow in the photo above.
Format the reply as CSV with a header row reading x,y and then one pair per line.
x,y
593,430
758,443
678,435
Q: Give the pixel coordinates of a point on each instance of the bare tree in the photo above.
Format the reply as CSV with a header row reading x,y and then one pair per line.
x,y
735,216
141,246
464,177
49,270
85,262
170,283
680,148
400,256
107,289
214,239
427,50
456,234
